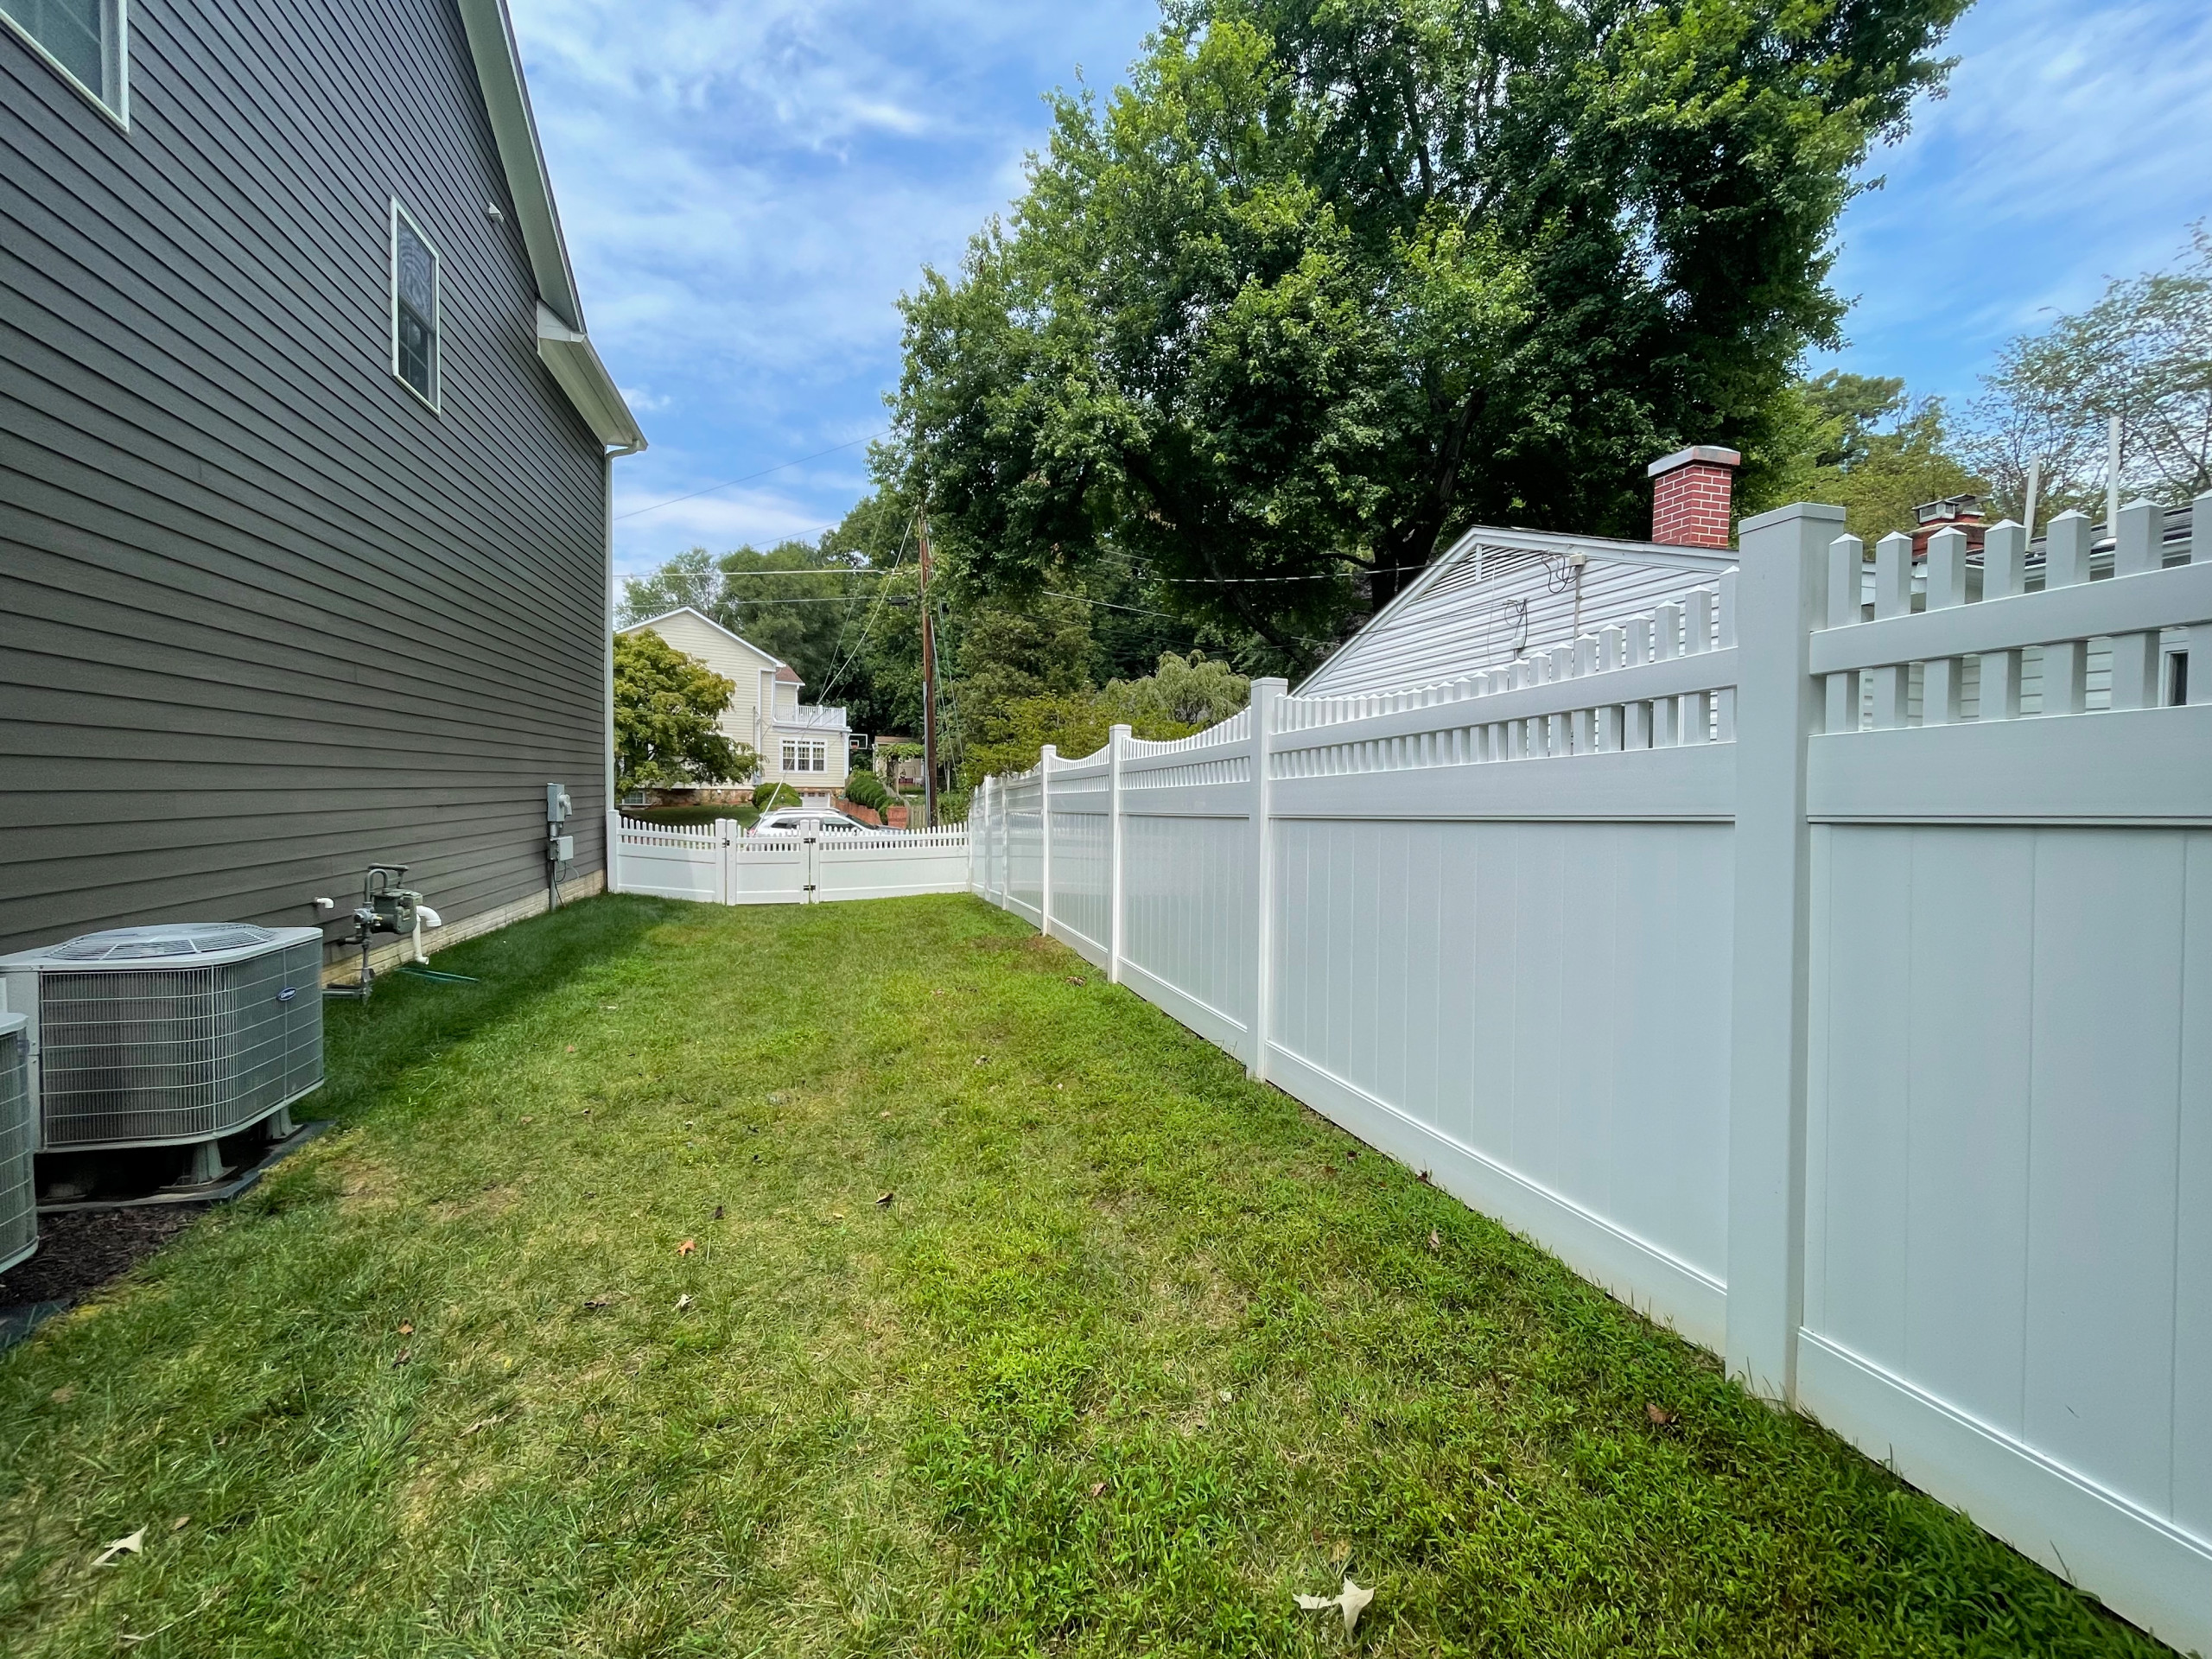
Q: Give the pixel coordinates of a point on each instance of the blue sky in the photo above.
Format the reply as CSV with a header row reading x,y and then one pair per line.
x,y
749,185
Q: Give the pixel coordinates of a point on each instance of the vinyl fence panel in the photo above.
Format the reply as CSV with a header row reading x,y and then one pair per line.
x,y
1820,960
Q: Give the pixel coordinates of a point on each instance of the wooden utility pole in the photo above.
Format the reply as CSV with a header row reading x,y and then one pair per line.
x,y
929,687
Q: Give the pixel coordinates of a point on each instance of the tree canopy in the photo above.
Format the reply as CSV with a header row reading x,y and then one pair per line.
x,y
2142,351
1329,279
665,706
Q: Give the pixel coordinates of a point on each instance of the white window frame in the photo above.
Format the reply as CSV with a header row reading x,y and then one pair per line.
x,y
804,755
115,49
400,215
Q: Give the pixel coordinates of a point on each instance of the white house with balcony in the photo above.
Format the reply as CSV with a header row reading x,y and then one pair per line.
x,y
801,744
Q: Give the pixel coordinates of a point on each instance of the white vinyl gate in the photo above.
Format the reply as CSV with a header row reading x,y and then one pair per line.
x,y
718,863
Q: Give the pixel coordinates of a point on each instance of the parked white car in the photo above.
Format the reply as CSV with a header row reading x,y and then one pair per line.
x,y
791,820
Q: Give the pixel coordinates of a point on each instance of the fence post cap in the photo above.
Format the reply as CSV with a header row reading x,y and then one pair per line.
x,y
1795,510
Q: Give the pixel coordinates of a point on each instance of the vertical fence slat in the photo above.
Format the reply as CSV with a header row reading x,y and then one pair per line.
x,y
2004,573
1697,707
1667,630
1637,716
1846,557
2066,662
1892,597
2135,656
1940,685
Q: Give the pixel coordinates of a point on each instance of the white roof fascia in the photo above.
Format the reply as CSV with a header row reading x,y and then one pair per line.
x,y
693,610
573,362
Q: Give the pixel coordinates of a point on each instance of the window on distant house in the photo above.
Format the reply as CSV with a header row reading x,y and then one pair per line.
x,y
84,39
414,307
805,757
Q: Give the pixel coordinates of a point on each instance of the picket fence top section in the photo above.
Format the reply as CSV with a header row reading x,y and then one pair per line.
x,y
639,833
2142,593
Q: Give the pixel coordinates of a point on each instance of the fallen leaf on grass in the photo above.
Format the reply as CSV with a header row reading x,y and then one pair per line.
x,y
572,1048
1435,1242
1660,1416
837,1215
883,1114
883,1200
403,1356
1353,1602
178,1524
1351,1155
480,1423
718,1212
130,1545
1075,979
63,1395
407,1327
686,1247
597,1301
683,1301
1096,1487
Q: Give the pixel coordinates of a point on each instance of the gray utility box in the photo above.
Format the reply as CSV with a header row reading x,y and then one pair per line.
x,y
170,1034
18,1141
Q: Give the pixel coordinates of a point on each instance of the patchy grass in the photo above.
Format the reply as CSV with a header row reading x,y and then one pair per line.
x,y
1134,1351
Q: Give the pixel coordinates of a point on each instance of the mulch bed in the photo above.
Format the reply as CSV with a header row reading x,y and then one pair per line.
x,y
79,1251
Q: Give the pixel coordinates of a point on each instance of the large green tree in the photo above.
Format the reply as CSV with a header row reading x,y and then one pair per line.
x,y
1329,279
666,704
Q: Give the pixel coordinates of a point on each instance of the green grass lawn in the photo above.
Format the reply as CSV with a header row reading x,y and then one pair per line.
x,y
1017,1322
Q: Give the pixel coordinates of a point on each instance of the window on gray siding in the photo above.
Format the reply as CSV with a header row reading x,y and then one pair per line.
x,y
414,307
83,38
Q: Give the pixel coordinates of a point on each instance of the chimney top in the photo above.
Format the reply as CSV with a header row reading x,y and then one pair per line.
x,y
1691,496
1711,454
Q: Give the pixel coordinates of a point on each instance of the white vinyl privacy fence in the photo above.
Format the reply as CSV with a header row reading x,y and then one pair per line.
x,y
718,863
1866,1044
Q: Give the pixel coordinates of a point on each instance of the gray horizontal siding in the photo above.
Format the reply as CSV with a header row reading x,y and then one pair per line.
x,y
263,617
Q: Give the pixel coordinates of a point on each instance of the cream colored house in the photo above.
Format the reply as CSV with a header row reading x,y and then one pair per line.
x,y
798,743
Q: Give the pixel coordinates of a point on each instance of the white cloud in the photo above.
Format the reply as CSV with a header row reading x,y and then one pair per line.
x,y
2073,146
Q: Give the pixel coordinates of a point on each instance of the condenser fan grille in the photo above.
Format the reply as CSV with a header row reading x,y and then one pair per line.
x,y
177,1054
18,1140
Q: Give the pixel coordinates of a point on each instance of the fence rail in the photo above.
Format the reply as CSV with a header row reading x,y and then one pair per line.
x,y
1775,967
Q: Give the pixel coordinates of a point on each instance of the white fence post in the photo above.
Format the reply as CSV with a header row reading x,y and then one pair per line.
x,y
1045,839
1265,692
1117,746
1782,596
614,849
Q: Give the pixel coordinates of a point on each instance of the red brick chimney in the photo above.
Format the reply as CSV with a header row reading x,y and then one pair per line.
x,y
1952,512
1690,494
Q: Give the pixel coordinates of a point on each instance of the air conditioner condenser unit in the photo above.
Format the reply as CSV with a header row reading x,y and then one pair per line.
x,y
18,1140
169,1034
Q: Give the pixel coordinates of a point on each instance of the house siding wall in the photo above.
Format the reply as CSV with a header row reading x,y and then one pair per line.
x,y
264,617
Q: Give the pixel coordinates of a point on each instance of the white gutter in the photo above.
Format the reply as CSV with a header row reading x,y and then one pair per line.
x,y
561,343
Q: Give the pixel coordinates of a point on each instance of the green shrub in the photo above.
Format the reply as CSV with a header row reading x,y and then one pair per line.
x,y
865,788
768,797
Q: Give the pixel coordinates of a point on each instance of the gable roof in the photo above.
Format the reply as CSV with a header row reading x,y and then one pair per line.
x,y
1437,627
782,667
563,345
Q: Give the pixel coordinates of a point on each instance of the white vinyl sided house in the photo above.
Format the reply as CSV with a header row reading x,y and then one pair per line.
x,y
800,744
